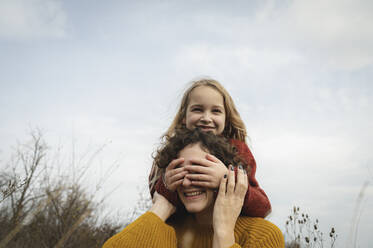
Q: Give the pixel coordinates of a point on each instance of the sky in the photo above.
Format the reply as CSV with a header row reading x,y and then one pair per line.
x,y
108,76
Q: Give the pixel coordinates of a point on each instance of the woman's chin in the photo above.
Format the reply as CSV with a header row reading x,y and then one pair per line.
x,y
191,208
196,207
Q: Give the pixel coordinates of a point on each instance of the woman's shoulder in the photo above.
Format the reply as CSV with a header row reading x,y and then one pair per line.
x,y
248,223
257,229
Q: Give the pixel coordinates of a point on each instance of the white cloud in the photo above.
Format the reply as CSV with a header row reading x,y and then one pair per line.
x,y
332,33
238,63
321,173
341,30
29,19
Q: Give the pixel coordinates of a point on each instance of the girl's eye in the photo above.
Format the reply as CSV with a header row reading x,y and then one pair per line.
x,y
216,110
196,109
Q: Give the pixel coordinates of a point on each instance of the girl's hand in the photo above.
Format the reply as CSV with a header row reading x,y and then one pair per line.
x,y
206,172
162,207
228,206
173,176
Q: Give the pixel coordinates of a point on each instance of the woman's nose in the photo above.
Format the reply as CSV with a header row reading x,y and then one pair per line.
x,y
186,182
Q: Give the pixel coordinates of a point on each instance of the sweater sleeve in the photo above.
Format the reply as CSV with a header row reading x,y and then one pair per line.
x,y
147,231
256,203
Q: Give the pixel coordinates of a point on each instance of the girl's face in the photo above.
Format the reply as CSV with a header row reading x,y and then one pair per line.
x,y
195,199
205,110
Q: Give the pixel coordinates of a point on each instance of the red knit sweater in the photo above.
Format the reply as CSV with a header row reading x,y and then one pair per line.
x,y
256,203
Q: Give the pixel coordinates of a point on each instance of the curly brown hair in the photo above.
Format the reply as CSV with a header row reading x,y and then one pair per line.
x,y
216,145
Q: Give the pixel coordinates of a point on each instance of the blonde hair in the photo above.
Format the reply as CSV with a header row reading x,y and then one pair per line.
x,y
234,126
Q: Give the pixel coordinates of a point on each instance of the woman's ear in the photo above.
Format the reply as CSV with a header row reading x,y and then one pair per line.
x,y
183,121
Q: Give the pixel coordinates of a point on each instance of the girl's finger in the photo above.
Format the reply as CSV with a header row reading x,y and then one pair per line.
x,y
175,184
178,176
173,172
231,180
222,187
203,184
175,163
202,162
198,177
212,158
197,169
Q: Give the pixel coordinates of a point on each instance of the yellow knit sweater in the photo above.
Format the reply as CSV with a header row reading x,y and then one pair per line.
x,y
149,231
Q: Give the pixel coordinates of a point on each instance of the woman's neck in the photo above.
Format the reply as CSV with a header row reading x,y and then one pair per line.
x,y
204,218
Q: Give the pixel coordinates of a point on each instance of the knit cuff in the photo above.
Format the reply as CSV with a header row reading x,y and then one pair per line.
x,y
172,197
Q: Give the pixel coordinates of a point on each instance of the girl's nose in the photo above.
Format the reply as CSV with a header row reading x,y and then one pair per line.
x,y
206,118
186,182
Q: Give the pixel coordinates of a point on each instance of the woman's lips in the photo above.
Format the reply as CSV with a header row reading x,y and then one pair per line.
x,y
193,195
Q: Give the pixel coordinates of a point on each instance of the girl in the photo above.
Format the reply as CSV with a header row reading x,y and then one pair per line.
x,y
207,105
211,220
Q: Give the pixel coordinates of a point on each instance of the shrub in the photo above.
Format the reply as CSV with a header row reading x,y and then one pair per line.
x,y
37,210
302,231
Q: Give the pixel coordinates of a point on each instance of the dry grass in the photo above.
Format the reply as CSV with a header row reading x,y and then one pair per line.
x,y
303,231
40,210
37,210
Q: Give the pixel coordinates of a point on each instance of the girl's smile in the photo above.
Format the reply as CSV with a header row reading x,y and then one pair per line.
x,y
206,128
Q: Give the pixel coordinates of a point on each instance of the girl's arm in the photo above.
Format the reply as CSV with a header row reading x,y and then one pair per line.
x,y
172,197
149,230
174,175
256,203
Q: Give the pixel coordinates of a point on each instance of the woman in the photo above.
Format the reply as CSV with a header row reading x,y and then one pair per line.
x,y
206,218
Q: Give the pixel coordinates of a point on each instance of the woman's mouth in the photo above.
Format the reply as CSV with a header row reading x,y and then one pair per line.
x,y
193,195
